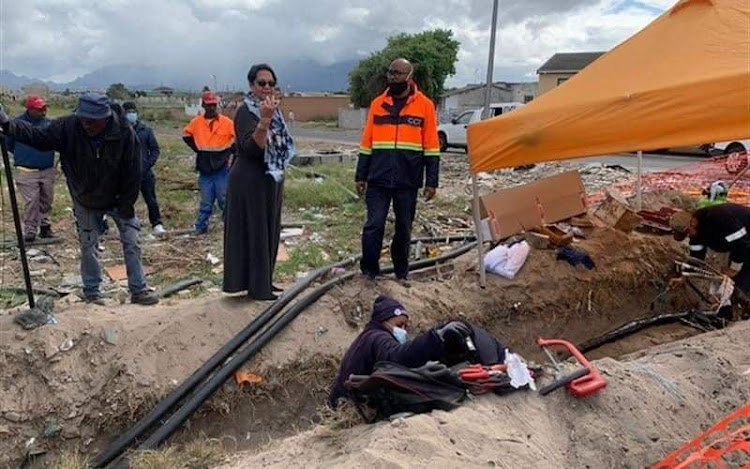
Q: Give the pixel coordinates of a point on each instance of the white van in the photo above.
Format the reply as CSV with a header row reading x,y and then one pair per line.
x,y
454,133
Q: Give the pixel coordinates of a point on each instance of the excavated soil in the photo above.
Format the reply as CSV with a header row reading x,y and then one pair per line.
x,y
654,402
85,379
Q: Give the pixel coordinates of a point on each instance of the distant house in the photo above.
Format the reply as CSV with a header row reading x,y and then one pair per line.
x,y
560,67
165,90
454,102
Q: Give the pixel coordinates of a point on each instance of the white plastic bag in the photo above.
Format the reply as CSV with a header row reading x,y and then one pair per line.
x,y
507,261
518,371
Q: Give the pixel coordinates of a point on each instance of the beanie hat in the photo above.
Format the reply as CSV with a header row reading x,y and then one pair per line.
x,y
385,308
93,106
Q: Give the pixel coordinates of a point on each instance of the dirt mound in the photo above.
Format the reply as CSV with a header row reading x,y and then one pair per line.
x,y
652,404
82,381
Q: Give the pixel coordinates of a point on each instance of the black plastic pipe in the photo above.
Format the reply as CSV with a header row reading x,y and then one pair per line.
x,y
218,379
633,327
127,438
227,350
242,356
17,221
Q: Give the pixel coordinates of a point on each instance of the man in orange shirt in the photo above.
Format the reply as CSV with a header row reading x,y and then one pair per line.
x,y
398,154
211,137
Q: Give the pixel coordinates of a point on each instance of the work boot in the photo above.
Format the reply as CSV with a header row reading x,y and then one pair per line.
x,y
404,282
45,231
725,313
95,298
145,298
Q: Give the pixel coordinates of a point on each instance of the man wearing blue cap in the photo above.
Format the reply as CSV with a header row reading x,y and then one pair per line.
x,y
100,157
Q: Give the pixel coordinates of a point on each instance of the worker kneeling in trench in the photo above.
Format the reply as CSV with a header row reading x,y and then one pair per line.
x,y
385,339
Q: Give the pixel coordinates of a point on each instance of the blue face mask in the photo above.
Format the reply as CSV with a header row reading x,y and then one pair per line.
x,y
400,334
132,117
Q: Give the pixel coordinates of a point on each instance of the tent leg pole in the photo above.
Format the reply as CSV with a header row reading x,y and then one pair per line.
x,y
478,229
639,194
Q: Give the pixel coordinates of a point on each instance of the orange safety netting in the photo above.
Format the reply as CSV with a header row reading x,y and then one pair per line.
x,y
725,445
693,178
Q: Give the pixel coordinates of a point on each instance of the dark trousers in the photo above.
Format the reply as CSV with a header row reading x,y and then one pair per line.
x,y
742,279
148,190
378,200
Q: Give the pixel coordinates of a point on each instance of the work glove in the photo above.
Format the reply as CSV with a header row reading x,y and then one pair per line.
x,y
453,331
4,119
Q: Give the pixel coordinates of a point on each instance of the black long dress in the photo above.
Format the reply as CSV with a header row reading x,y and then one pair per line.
x,y
253,221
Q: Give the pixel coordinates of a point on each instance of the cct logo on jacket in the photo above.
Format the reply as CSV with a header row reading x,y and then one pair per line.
x,y
399,147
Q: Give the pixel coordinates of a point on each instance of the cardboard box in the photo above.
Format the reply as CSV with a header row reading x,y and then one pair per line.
x,y
616,212
518,209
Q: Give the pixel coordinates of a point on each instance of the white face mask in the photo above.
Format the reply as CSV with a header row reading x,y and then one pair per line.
x,y
400,334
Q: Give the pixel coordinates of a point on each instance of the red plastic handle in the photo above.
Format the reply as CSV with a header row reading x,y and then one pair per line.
x,y
585,385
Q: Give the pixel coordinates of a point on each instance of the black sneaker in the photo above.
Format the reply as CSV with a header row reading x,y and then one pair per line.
x,y
45,231
96,299
29,238
145,298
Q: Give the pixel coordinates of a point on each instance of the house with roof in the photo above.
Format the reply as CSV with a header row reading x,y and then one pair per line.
x,y
561,66
455,101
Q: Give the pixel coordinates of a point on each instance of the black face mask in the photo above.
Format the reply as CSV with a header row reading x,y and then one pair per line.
x,y
397,89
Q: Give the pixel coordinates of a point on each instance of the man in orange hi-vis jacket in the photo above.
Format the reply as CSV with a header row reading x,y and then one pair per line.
x,y
211,137
399,153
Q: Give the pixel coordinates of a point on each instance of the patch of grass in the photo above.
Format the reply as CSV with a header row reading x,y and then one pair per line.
x,y
302,258
72,460
324,186
11,298
169,117
310,193
198,454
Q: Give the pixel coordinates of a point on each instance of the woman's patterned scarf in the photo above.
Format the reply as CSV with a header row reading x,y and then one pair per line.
x,y
279,144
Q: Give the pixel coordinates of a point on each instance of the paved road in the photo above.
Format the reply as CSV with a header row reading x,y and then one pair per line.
x,y
651,162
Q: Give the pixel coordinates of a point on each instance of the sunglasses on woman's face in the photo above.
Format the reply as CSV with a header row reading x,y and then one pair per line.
x,y
263,83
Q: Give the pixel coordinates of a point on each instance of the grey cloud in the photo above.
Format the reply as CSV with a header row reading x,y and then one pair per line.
x,y
69,37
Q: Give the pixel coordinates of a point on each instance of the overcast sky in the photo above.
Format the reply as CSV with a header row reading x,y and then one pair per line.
x,y
63,39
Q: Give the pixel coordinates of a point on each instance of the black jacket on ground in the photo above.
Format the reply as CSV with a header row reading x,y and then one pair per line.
x,y
102,173
722,228
376,344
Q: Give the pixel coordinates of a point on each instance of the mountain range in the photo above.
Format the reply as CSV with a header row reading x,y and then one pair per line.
x,y
297,75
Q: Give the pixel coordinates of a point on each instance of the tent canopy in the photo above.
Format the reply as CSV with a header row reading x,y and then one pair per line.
x,y
682,80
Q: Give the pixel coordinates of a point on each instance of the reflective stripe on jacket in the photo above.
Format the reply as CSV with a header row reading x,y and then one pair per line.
x,y
400,149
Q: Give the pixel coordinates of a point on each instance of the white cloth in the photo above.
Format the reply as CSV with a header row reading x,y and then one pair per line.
x,y
507,261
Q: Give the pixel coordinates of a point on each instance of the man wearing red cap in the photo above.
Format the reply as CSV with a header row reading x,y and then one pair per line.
x,y
36,174
211,137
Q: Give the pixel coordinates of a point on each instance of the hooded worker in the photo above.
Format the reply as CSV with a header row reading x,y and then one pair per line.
x,y
385,338
721,228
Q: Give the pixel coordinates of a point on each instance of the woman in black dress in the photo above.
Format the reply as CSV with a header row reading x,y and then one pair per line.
x,y
255,190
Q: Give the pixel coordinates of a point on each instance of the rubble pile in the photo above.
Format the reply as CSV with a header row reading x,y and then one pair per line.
x,y
595,176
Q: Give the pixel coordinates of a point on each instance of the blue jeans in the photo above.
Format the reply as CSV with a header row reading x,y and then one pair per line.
x,y
213,188
88,222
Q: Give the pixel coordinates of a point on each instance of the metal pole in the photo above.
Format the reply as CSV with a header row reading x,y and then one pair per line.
x,y
478,229
485,114
17,222
490,62
639,195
